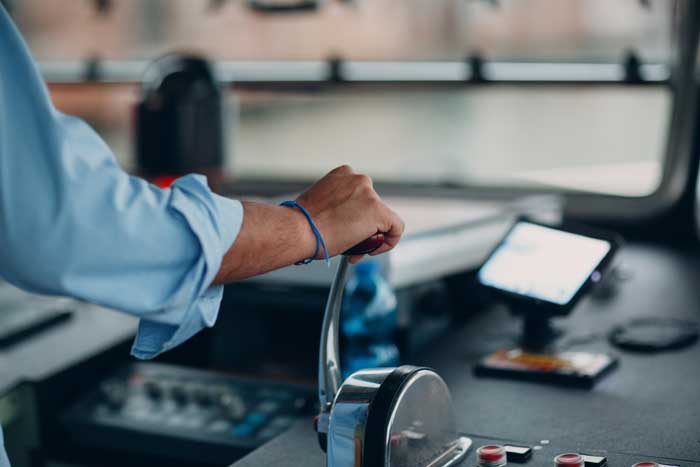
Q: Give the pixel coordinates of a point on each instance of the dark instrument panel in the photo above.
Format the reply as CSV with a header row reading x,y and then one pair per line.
x,y
184,414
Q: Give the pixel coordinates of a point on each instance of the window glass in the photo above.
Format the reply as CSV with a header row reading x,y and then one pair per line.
x,y
603,139
608,139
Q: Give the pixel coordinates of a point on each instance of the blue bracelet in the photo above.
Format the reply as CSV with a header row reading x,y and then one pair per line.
x,y
319,239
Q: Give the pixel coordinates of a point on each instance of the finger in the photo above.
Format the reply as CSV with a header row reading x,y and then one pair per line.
x,y
364,180
355,259
394,227
382,249
389,244
342,170
393,230
390,241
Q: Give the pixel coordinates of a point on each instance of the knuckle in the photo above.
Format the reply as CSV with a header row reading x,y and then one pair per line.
x,y
376,203
345,168
363,185
371,195
362,179
365,182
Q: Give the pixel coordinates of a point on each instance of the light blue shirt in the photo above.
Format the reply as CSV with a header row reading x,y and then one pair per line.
x,y
73,223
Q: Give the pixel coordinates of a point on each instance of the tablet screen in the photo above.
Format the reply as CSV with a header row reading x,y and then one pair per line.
x,y
543,263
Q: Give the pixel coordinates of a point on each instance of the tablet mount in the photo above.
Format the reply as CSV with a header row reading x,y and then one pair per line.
x,y
538,332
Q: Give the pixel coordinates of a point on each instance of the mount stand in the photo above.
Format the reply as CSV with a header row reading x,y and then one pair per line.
x,y
538,333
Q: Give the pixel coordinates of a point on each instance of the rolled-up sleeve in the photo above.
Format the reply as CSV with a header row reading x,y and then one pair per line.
x,y
215,221
72,222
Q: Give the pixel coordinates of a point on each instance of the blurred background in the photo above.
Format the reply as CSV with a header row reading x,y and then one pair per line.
x,y
600,138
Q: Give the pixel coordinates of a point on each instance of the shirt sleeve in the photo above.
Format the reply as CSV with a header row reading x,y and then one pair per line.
x,y
72,222
4,461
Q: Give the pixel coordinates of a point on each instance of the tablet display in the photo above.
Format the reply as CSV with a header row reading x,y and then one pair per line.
x,y
543,263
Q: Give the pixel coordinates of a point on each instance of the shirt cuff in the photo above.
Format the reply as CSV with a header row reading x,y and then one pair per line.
x,y
155,337
170,328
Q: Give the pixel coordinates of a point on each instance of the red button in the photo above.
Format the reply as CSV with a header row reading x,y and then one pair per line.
x,y
568,460
491,453
646,464
395,439
164,181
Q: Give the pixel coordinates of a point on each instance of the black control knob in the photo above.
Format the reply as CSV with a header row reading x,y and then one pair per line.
x,y
153,390
115,393
179,394
201,395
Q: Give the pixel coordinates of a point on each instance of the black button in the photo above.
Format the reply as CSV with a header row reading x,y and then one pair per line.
x,y
518,453
594,461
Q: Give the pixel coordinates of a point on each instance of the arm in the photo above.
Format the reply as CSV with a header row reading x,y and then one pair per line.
x,y
271,237
73,223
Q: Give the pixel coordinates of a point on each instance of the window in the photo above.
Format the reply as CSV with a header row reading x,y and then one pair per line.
x,y
602,138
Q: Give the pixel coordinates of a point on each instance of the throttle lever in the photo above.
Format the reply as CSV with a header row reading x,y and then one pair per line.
x,y
329,378
367,246
356,423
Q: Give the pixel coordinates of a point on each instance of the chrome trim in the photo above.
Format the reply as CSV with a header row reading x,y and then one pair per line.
x,y
353,71
362,71
329,378
562,72
454,454
569,72
348,420
306,71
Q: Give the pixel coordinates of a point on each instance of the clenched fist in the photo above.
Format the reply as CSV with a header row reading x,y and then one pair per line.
x,y
347,210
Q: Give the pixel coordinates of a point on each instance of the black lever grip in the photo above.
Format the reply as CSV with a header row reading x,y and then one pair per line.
x,y
366,247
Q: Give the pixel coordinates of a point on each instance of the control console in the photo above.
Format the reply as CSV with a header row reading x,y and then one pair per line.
x,y
184,414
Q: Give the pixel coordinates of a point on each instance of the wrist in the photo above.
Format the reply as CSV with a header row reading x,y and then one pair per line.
x,y
303,233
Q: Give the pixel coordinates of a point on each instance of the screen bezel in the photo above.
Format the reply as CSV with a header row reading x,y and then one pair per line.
x,y
521,303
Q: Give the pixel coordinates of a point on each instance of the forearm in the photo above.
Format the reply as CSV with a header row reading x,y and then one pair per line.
x,y
271,237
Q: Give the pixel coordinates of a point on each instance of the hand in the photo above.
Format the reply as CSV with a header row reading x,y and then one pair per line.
x,y
347,210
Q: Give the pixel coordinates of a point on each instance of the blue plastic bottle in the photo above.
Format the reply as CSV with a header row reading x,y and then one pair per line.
x,y
369,321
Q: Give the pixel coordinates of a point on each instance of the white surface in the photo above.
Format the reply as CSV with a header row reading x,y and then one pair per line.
x,y
624,179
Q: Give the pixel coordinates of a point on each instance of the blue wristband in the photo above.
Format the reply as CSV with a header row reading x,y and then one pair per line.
x,y
319,239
